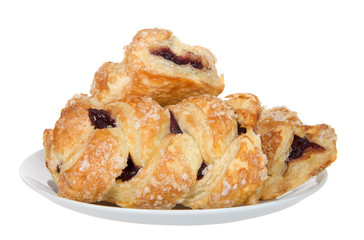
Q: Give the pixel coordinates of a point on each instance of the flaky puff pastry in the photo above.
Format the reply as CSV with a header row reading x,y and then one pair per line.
x,y
234,164
231,180
167,163
248,109
295,151
166,178
82,160
202,163
138,154
210,122
159,65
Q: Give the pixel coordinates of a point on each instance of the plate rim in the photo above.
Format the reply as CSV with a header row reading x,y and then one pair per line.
x,y
290,200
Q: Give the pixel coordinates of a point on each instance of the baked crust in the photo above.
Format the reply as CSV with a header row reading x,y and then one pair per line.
x,y
144,123
263,163
110,83
153,134
235,164
279,128
248,108
210,122
166,178
233,178
149,68
83,161
168,164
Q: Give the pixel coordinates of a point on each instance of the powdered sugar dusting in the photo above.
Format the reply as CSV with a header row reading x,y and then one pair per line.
x,y
327,133
280,114
84,165
226,187
185,176
153,114
136,123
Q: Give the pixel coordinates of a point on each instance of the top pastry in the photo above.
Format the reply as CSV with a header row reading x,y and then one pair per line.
x,y
157,64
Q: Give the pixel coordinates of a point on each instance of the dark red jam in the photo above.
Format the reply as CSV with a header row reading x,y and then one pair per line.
x,y
200,171
241,130
299,145
59,168
130,171
100,118
167,54
174,127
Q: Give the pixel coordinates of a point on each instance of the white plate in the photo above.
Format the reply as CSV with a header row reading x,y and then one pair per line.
x,y
36,176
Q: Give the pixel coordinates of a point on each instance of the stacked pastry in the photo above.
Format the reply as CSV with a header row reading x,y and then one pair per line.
x,y
154,134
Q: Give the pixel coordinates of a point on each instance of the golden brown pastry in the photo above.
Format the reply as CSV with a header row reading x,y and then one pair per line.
x,y
85,151
166,178
202,152
233,165
158,65
147,156
295,151
110,83
233,178
153,134
248,108
161,166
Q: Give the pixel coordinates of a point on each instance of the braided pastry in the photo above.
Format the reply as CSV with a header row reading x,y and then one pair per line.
x,y
83,154
235,163
188,153
158,65
295,151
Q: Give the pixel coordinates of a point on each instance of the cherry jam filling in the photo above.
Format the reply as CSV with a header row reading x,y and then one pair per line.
x,y
241,130
200,171
130,171
58,168
100,118
299,145
190,58
174,127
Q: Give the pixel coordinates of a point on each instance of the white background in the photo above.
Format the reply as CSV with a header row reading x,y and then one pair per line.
x,y
307,55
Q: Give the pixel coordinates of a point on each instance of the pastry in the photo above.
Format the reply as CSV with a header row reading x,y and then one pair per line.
x,y
153,134
201,163
233,163
202,152
85,151
190,153
295,151
248,108
158,65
